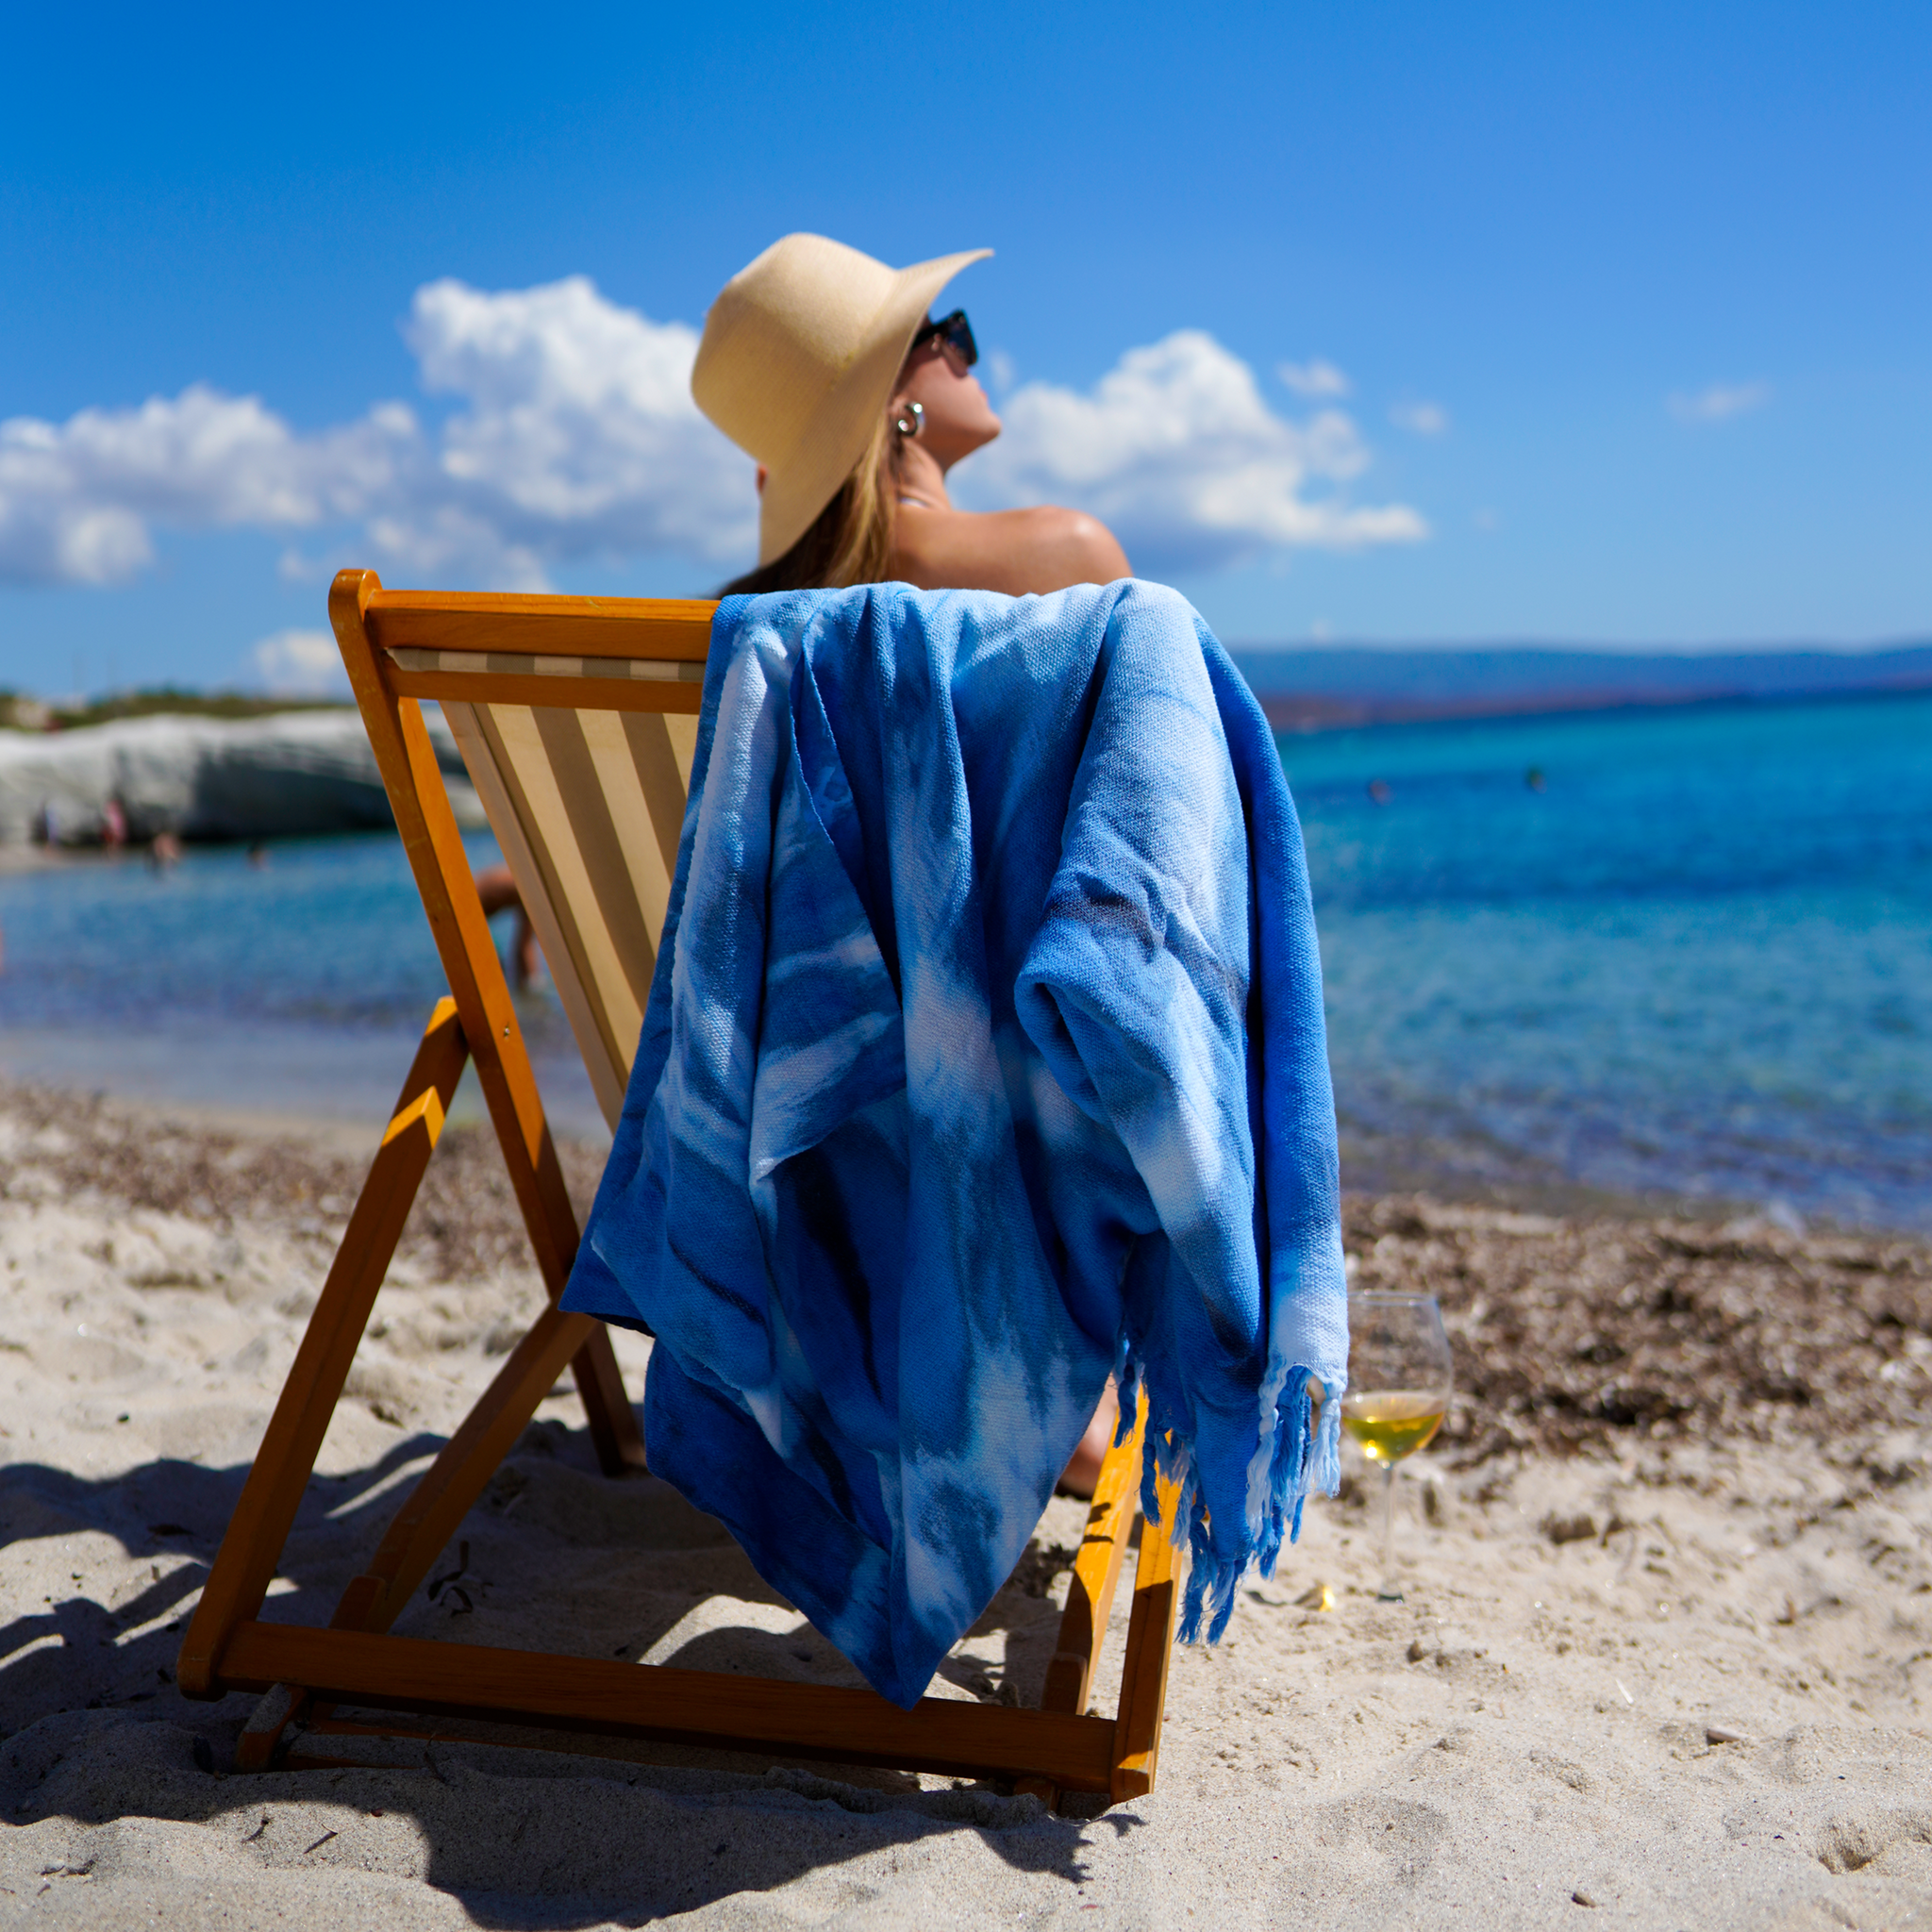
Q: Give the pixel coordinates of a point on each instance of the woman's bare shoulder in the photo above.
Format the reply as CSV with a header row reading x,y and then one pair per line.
x,y
1046,548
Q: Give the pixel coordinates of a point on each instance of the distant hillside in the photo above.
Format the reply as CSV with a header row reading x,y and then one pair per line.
x,y
1356,684
19,713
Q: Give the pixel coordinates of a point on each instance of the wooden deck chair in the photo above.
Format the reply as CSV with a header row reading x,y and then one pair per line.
x,y
577,719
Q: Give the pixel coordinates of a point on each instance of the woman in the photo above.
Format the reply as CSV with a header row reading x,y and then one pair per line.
x,y
824,366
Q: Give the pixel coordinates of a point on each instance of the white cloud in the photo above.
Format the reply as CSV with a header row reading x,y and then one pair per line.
x,y
77,499
1314,379
1176,449
1420,419
577,436
300,663
580,438
1720,401
572,435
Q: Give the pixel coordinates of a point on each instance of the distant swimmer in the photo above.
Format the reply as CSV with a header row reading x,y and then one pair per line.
x,y
1534,778
164,854
1380,790
497,889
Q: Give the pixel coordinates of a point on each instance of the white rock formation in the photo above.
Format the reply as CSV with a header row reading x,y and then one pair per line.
x,y
297,771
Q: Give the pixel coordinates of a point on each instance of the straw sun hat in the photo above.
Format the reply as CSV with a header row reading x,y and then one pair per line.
x,y
799,357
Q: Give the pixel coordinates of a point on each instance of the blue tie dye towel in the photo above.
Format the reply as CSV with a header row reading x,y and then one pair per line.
x,y
985,1055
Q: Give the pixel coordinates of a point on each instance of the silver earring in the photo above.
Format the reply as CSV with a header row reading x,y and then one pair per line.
x,y
910,420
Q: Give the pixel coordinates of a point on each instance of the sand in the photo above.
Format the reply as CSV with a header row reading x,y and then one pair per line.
x,y
1664,1658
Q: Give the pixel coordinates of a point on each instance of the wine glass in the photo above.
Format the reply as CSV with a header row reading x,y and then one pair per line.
x,y
1399,1379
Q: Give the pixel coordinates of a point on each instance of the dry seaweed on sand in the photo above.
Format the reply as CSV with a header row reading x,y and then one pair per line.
x,y
465,1221
1587,1333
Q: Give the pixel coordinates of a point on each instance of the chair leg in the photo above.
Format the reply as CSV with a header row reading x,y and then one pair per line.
x,y
255,1749
259,1528
1150,1643
552,1226
1091,1590
1096,1571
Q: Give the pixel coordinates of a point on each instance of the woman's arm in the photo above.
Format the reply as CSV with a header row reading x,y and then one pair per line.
x,y
1011,550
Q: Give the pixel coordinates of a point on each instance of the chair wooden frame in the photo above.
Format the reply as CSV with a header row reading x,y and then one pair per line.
x,y
402,647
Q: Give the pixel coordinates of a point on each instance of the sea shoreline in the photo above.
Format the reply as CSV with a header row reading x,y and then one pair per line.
x,y
1465,1171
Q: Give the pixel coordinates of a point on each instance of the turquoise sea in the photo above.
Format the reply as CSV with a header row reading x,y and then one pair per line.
x,y
1684,953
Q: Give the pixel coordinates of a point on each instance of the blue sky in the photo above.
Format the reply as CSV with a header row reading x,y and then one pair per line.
x,y
1599,325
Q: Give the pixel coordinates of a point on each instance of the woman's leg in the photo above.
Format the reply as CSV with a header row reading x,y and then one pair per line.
x,y
1083,1470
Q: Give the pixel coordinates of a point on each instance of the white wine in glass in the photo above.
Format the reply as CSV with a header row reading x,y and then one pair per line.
x,y
1399,1379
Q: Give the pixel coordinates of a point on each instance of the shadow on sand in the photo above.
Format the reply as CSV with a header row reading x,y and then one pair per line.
x,y
553,1557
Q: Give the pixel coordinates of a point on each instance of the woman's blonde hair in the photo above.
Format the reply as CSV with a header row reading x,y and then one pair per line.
x,y
850,540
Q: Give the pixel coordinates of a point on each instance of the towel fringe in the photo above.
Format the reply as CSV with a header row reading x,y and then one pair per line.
x,y
1306,1455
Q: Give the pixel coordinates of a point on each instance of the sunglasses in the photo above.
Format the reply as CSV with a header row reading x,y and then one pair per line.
x,y
952,332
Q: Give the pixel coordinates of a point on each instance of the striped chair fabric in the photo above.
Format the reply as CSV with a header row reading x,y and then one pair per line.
x,y
587,806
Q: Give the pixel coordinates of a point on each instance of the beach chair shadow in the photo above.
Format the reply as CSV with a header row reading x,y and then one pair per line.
x,y
577,719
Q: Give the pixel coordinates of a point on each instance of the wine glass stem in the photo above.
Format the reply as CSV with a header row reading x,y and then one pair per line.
x,y
1390,1591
